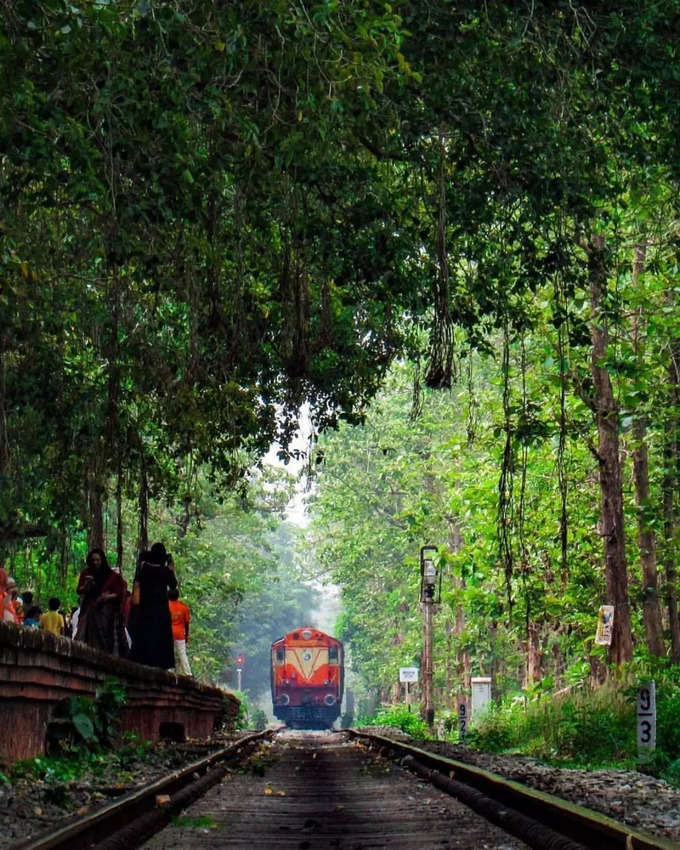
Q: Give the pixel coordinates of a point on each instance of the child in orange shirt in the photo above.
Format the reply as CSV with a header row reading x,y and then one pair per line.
x,y
180,617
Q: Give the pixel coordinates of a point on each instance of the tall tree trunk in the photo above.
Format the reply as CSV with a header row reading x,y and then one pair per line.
x,y
119,516
63,554
95,507
463,661
143,538
533,658
4,438
607,419
449,628
115,446
651,610
670,484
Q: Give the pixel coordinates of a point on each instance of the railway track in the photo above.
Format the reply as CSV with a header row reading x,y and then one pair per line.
x,y
339,790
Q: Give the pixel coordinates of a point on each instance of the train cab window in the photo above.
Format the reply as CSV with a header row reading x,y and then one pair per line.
x,y
332,655
280,655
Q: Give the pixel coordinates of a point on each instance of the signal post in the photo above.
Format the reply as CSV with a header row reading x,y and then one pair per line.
x,y
430,594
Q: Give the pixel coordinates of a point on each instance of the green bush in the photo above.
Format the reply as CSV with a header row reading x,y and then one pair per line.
x,y
672,773
79,723
494,733
259,720
586,727
399,717
241,720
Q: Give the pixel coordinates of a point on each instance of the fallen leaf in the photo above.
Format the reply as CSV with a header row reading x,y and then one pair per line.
x,y
274,792
162,799
37,811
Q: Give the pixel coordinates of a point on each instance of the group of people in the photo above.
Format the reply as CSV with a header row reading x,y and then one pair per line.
x,y
20,610
148,624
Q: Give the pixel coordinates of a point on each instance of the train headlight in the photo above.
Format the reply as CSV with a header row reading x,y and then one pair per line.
x,y
329,700
283,699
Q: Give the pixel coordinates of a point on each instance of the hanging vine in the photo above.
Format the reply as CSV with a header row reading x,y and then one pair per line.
x,y
505,483
524,444
562,341
417,402
472,422
440,369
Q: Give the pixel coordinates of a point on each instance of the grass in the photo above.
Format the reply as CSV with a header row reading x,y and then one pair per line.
x,y
398,717
203,822
76,765
587,728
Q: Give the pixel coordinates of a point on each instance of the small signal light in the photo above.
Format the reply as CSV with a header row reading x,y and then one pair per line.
x,y
239,660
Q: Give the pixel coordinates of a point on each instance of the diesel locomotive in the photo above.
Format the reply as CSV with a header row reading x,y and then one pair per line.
x,y
307,679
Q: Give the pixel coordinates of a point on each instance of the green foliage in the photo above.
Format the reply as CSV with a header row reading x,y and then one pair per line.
x,y
242,720
212,215
203,822
81,724
73,765
400,717
593,729
258,720
586,728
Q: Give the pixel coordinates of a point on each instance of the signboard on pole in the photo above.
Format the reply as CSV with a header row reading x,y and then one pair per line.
x,y
605,625
408,674
646,718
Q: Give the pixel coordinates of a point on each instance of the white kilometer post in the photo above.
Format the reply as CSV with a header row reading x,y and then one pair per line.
x,y
646,719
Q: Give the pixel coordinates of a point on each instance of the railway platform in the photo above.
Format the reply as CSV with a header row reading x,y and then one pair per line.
x,y
38,670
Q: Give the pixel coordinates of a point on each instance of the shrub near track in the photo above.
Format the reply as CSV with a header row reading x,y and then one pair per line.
x,y
587,728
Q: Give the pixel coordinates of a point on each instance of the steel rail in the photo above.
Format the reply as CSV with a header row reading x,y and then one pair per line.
x,y
136,813
578,824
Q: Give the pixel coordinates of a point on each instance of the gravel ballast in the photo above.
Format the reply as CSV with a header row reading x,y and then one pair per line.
x,y
29,807
643,802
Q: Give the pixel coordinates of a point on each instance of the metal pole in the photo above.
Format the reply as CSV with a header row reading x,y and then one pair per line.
x,y
427,678
238,678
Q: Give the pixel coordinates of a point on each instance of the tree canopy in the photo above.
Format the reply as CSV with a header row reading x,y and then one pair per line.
x,y
212,213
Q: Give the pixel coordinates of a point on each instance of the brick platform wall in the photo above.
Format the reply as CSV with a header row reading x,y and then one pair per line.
x,y
38,669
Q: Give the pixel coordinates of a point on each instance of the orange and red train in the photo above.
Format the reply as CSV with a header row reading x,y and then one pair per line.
x,y
307,678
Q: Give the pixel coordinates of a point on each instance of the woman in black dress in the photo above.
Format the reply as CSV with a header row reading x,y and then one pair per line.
x,y
149,624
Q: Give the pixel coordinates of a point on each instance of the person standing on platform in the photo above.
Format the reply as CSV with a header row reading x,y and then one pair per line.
x,y
101,590
149,622
32,618
52,620
11,606
3,592
7,590
180,617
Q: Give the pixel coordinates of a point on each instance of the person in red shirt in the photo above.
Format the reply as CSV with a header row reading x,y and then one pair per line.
x,y
180,618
